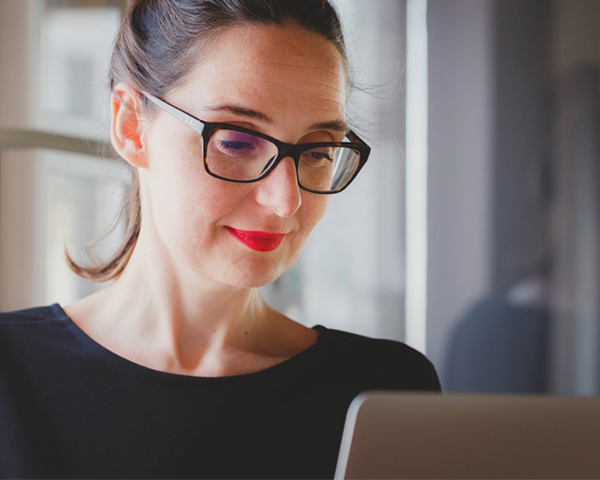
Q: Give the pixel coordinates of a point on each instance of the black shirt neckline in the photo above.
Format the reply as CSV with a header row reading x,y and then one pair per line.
x,y
284,367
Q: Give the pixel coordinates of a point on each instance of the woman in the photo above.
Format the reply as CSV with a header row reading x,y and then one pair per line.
x,y
179,368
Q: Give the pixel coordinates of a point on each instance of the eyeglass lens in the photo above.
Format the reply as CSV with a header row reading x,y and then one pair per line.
x,y
241,156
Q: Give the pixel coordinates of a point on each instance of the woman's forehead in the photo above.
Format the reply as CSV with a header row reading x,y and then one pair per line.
x,y
290,41
276,68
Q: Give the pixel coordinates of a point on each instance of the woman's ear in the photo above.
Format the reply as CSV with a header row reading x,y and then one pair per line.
x,y
126,125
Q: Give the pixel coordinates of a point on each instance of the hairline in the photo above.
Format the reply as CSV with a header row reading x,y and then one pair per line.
x,y
200,50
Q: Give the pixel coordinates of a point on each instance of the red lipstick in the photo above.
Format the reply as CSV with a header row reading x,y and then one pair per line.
x,y
259,241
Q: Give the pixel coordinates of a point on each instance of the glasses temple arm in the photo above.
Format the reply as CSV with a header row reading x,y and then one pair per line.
x,y
179,114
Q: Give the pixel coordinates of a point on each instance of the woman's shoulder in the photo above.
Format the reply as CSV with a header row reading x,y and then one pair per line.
x,y
32,314
358,344
21,328
381,358
25,319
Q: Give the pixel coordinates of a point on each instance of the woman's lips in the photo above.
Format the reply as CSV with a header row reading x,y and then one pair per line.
x,y
259,241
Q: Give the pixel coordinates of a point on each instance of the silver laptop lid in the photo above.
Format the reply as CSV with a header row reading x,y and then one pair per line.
x,y
399,435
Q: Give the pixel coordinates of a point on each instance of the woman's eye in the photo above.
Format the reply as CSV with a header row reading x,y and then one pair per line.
x,y
235,147
320,156
317,156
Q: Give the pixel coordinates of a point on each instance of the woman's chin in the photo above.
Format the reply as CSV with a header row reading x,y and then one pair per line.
x,y
251,275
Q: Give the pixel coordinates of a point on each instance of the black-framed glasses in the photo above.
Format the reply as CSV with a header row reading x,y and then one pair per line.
x,y
238,154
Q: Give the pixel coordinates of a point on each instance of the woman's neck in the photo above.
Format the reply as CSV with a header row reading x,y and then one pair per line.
x,y
168,320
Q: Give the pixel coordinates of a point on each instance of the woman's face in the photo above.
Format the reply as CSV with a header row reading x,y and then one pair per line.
x,y
279,81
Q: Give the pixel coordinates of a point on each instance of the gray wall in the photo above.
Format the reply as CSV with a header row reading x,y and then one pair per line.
x,y
494,69
461,126
519,227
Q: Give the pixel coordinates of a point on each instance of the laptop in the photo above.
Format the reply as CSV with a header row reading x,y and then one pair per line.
x,y
406,435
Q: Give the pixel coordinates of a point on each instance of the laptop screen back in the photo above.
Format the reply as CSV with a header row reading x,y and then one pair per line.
x,y
400,435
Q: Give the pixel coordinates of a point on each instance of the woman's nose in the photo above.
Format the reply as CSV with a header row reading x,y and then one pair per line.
x,y
279,190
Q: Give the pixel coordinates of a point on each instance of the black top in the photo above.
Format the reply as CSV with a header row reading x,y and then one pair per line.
x,y
71,408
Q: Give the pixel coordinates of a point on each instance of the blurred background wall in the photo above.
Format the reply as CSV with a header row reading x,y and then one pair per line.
x,y
512,299
502,280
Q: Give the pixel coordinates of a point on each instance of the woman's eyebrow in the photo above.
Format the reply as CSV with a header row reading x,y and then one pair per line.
x,y
241,111
337,125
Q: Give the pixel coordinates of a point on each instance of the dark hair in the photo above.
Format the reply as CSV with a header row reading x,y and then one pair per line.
x,y
158,44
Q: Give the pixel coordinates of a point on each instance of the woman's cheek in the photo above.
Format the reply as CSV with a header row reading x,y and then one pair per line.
x,y
318,207
313,210
171,205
